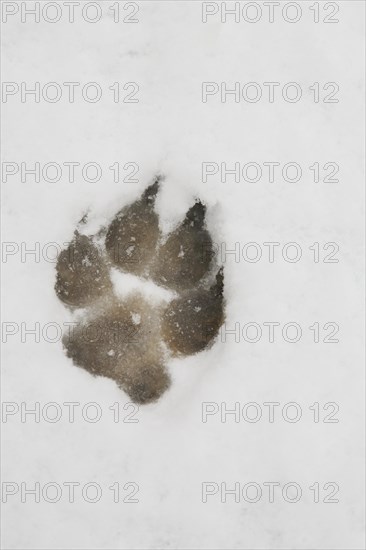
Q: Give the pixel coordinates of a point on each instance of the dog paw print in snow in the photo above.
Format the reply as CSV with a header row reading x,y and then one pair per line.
x,y
130,337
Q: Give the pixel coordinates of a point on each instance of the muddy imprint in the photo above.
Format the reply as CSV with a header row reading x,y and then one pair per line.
x,y
133,234
82,275
186,255
130,340
122,341
192,321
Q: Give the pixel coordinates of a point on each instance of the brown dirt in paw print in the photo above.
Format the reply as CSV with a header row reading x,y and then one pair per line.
x,y
145,383
185,257
121,340
82,275
192,321
128,339
133,234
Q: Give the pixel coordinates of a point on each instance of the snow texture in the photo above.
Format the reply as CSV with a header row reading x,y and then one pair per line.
x,y
170,451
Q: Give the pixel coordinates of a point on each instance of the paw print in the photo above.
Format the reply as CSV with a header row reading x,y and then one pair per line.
x,y
130,338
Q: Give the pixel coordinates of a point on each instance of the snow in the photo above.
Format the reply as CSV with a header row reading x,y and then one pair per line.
x,y
170,452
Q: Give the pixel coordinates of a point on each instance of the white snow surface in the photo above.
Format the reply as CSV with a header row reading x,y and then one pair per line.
x,y
170,451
